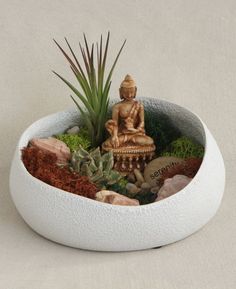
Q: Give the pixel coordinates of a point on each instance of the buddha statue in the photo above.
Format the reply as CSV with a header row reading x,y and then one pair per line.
x,y
130,145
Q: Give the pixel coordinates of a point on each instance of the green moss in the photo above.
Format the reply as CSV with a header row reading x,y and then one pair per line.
x,y
184,147
146,199
73,141
83,132
160,128
119,187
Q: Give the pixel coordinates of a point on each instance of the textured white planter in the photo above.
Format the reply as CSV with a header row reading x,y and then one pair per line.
x,y
83,223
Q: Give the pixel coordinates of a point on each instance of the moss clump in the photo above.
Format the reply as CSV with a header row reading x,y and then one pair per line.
x,y
74,141
119,187
184,148
160,128
146,198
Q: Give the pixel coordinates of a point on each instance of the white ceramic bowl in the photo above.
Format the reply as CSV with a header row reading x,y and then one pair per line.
x,y
84,223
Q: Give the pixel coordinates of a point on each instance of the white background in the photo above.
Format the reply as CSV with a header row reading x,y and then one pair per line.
x,y
181,51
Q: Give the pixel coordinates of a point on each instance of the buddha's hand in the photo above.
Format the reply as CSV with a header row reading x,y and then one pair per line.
x,y
141,130
115,142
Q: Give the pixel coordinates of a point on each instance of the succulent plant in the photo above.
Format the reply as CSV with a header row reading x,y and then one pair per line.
x,y
94,93
184,147
96,166
73,141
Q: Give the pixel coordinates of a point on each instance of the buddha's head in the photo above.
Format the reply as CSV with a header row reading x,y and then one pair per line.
x,y
127,88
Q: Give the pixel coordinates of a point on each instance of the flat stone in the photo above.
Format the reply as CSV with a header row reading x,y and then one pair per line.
x,y
73,130
172,186
55,146
114,198
154,170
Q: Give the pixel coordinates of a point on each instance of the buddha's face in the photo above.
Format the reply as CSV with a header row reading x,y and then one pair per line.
x,y
128,93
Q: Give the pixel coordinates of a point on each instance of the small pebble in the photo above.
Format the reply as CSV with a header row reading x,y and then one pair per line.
x,y
138,184
73,130
155,190
139,176
131,178
132,189
145,186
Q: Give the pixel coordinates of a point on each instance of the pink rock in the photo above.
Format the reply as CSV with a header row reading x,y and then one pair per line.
x,y
55,146
114,198
172,186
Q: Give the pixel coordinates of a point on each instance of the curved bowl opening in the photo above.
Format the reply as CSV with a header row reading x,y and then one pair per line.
x,y
186,121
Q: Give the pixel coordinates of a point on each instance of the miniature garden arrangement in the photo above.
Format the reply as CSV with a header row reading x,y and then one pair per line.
x,y
115,175
121,154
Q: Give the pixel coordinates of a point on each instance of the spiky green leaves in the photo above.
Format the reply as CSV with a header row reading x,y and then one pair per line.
x,y
94,85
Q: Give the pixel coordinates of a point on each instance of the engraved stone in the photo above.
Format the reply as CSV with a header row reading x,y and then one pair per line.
x,y
154,170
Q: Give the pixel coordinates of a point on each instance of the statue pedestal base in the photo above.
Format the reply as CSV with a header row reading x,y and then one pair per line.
x,y
128,158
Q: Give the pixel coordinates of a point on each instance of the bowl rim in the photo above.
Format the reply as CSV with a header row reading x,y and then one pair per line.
x,y
63,193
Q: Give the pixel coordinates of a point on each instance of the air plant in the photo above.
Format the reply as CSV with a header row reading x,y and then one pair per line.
x,y
94,85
